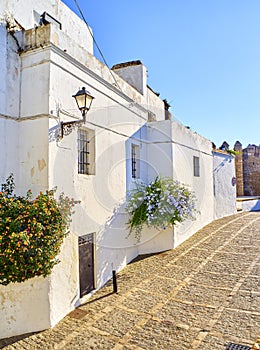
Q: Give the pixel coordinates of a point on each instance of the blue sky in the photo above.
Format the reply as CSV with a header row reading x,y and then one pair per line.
x,y
203,56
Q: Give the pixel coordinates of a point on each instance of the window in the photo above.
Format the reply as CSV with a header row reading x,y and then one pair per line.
x,y
196,166
135,159
86,152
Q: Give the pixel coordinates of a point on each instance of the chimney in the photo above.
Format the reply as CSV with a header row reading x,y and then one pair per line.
x,y
167,106
134,73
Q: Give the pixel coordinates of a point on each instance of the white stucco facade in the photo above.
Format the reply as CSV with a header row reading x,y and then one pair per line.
x,y
43,67
224,184
171,152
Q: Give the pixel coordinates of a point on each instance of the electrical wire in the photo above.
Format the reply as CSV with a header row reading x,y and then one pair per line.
x,y
105,62
95,42
169,141
139,139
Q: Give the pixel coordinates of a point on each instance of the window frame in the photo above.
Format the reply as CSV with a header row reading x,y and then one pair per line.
x,y
196,166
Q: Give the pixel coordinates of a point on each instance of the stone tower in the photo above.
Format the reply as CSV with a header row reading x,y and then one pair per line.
x,y
251,170
239,168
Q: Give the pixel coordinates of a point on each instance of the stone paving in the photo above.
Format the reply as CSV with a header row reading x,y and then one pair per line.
x,y
203,295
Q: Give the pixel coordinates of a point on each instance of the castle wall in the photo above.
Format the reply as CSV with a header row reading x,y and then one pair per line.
x,y
247,170
251,169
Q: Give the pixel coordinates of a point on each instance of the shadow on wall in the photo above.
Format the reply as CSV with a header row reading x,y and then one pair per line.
x,y
256,207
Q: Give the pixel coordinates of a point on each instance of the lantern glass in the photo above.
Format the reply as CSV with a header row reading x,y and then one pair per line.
x,y
83,99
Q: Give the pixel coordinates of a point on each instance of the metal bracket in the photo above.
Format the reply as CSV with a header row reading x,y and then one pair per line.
x,y
68,127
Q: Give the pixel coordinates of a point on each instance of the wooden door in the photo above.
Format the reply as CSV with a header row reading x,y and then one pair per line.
x,y
86,264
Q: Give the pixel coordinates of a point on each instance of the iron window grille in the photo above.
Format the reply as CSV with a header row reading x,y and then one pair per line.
x,y
135,155
83,152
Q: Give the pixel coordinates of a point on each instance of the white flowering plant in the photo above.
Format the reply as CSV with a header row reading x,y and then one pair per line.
x,y
160,204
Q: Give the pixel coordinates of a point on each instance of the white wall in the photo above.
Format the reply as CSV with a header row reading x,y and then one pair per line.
x,y
9,104
187,144
64,284
9,131
159,149
35,92
33,156
10,73
114,122
26,13
24,307
170,150
156,240
135,75
224,188
155,105
3,65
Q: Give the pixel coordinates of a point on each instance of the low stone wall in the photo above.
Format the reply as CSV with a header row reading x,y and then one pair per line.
x,y
24,307
248,203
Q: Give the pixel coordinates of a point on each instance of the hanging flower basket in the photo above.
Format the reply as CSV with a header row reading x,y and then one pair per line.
x,y
160,204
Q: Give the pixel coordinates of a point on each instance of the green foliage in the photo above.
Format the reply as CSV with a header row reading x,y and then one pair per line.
x,y
234,153
160,204
31,232
9,186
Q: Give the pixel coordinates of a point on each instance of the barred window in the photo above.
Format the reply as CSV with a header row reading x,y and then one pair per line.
x,y
196,166
135,160
86,152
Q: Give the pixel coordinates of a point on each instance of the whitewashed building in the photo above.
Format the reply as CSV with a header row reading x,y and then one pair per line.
x,y
46,55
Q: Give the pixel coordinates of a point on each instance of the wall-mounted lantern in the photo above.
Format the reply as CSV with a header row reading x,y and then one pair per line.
x,y
84,100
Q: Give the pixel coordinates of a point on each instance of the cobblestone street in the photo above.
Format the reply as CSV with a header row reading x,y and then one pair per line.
x,y
202,295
